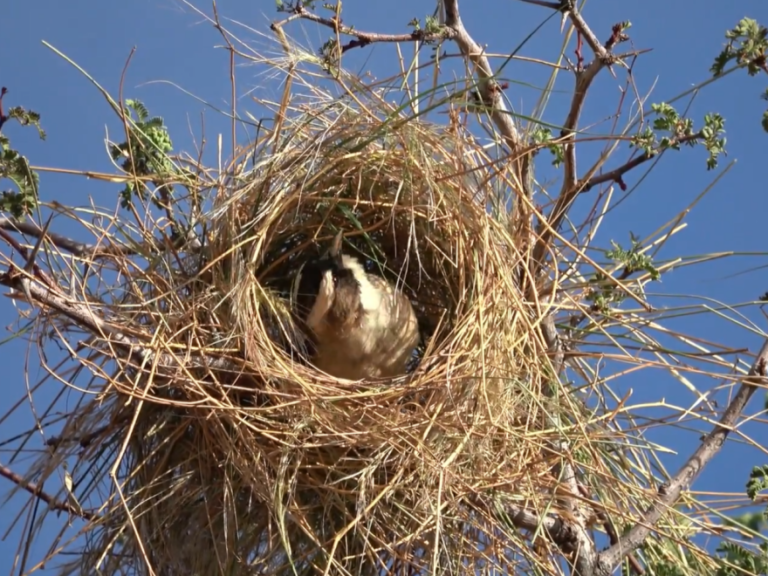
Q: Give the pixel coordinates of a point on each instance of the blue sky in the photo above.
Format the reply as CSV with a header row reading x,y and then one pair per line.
x,y
176,49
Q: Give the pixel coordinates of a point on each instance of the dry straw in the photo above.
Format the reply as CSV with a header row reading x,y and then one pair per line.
x,y
206,444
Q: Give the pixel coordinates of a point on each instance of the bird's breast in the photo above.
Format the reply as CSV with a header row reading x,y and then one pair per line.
x,y
378,344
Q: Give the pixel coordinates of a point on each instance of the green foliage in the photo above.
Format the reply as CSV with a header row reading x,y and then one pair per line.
x,y
604,292
431,28
329,56
669,130
145,153
633,259
748,46
541,135
661,560
432,25
27,118
751,521
23,197
294,6
15,168
735,560
731,559
758,481
714,126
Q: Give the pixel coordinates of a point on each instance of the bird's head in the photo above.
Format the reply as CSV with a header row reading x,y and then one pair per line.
x,y
334,289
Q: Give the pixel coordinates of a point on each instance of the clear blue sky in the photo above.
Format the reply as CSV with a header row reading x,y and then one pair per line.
x,y
175,45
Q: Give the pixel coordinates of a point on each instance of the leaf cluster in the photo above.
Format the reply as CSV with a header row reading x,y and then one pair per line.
x,y
604,291
22,198
669,130
145,152
747,46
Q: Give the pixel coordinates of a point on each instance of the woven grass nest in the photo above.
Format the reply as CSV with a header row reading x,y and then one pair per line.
x,y
261,464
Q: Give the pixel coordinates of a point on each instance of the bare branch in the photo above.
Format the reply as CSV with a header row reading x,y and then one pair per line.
x,y
362,38
601,51
95,251
32,229
85,317
37,491
669,492
584,78
617,174
489,90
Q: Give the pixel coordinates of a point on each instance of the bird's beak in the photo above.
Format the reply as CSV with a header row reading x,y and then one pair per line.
x,y
335,250
336,245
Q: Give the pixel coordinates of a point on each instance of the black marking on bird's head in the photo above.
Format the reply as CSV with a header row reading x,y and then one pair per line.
x,y
343,292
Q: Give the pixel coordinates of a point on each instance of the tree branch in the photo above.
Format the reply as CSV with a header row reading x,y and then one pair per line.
x,y
82,314
490,92
584,78
32,229
81,249
37,492
617,174
298,11
609,559
489,89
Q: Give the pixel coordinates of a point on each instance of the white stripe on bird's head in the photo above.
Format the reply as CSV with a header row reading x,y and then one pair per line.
x,y
370,296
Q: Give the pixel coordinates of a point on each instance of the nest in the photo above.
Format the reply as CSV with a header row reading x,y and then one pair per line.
x,y
236,456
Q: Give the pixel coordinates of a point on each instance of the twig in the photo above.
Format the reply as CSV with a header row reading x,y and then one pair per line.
x,y
584,78
85,440
81,249
87,319
39,272
553,5
616,174
669,492
38,492
489,89
32,229
3,117
361,38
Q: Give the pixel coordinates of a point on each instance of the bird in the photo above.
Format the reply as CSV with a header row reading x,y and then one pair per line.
x,y
361,326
